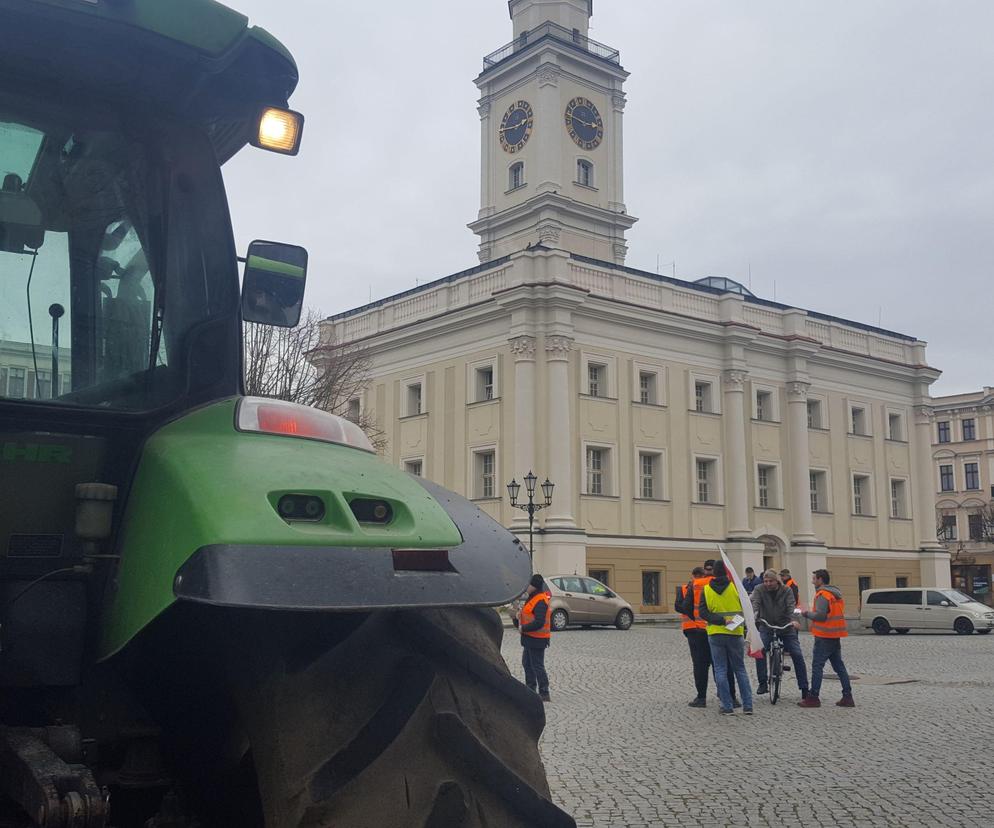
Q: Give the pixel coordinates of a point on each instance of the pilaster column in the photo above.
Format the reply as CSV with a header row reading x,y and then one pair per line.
x,y
801,523
736,472
523,349
560,433
923,480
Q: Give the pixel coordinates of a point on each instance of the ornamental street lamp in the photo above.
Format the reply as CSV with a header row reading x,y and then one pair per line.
x,y
531,507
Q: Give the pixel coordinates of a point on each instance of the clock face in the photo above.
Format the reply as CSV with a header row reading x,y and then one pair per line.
x,y
516,126
584,124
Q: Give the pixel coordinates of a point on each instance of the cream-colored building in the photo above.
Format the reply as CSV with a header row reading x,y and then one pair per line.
x,y
672,416
963,474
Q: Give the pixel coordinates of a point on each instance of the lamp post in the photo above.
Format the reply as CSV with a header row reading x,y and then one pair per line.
x,y
531,507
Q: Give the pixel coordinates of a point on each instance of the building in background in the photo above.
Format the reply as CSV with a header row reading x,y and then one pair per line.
x,y
672,416
963,475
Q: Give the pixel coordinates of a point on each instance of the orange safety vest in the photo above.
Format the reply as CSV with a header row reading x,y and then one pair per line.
x,y
699,584
687,622
835,625
528,615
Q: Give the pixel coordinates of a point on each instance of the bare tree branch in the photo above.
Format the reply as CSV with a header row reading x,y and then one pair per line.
x,y
295,365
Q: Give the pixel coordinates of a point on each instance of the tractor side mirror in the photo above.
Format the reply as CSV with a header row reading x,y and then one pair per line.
x,y
273,284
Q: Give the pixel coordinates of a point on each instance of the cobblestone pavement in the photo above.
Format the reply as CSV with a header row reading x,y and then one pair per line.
x,y
623,749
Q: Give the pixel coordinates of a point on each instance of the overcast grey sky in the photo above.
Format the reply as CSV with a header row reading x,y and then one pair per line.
x,y
844,152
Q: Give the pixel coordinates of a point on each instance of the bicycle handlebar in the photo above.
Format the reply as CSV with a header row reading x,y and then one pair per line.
x,y
768,624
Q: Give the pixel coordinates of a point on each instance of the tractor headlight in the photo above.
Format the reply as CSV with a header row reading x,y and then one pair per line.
x,y
292,420
279,130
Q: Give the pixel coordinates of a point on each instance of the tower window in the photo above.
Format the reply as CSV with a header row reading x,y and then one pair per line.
x,y
517,176
584,173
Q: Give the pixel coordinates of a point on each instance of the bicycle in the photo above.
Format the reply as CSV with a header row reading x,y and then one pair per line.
x,y
774,660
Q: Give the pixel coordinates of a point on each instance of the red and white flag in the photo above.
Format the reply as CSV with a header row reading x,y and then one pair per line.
x,y
754,643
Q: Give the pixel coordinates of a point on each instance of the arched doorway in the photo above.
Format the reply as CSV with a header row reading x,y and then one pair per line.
x,y
774,550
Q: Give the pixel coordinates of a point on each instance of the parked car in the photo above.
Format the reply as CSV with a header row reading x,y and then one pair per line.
x,y
582,601
911,608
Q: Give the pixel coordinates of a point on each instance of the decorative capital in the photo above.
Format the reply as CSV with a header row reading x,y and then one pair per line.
x,y
734,379
523,347
549,234
618,100
797,391
923,414
484,109
558,347
620,251
548,75
485,253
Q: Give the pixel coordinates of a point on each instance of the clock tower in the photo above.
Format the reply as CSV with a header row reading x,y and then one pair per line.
x,y
551,106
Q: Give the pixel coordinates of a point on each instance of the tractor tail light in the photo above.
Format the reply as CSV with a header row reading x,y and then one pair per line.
x,y
292,420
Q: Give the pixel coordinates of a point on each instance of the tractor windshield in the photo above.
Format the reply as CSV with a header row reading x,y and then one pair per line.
x,y
114,252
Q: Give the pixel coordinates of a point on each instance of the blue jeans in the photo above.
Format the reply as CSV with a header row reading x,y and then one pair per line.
x,y
792,646
828,649
727,653
533,662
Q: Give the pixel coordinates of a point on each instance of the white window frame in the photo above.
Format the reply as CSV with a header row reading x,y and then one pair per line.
x,y
975,461
516,165
902,425
822,407
825,493
771,416
407,461
660,487
610,381
407,385
476,471
717,480
709,379
945,461
774,487
955,527
867,410
962,429
609,471
358,409
586,163
903,507
865,495
473,390
658,372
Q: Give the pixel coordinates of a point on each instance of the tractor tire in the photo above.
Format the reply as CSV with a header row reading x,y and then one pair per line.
x,y
406,718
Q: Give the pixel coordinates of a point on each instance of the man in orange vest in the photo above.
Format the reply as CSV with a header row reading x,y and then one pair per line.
x,y
535,626
791,584
828,625
697,639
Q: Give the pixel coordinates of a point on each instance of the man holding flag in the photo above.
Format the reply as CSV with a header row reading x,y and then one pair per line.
x,y
722,607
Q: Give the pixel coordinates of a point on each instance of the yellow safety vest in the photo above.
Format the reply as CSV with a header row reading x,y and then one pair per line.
x,y
725,603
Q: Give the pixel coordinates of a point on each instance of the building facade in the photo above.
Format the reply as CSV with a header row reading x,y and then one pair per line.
x,y
672,416
963,475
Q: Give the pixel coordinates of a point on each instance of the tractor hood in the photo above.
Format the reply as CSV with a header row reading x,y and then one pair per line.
x,y
196,59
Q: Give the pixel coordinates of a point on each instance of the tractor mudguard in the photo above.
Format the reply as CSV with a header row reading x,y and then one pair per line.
x,y
201,524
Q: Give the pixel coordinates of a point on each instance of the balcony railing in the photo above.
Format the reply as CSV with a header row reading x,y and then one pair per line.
x,y
556,32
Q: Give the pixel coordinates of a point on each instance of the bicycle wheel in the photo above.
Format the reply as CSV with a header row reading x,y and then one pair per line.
x,y
776,672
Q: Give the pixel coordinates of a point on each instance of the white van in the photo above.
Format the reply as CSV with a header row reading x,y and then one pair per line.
x,y
921,608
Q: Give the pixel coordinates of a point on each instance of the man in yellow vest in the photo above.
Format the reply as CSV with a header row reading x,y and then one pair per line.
x,y
828,625
721,607
535,626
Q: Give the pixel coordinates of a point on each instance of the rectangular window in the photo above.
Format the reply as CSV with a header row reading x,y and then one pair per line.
x,y
864,582
648,469
901,581
44,385
595,379
601,575
647,388
414,467
975,525
650,588
947,528
595,471
944,431
484,383
585,173
946,479
898,508
969,430
705,481
3,381
858,421
764,405
895,427
814,414
485,463
353,410
816,481
414,399
971,474
15,387
702,397
767,492
861,495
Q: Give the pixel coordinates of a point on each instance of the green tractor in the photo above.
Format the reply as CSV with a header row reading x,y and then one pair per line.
x,y
215,610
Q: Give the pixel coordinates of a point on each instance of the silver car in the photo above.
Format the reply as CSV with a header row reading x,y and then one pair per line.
x,y
585,602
